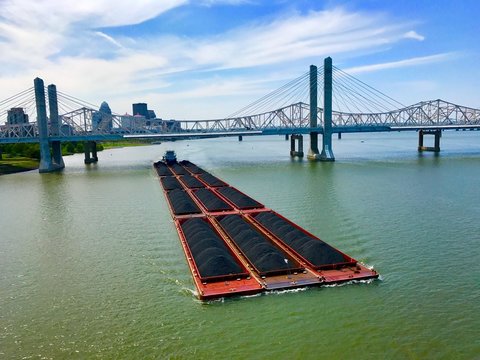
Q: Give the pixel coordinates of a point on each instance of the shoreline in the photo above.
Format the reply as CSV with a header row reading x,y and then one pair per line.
x,y
17,165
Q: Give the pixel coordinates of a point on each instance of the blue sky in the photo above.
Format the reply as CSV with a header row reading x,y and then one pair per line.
x,y
208,58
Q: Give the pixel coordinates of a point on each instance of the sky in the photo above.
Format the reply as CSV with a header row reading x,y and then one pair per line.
x,y
206,59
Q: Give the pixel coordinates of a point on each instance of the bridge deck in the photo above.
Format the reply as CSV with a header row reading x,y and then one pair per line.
x,y
234,245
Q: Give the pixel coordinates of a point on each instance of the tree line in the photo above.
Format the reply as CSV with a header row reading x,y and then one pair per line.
x,y
32,150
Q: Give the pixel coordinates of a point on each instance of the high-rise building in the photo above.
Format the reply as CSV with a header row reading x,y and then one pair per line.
x,y
141,109
151,114
102,119
16,116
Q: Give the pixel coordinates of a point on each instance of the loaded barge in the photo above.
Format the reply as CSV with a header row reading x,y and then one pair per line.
x,y
234,245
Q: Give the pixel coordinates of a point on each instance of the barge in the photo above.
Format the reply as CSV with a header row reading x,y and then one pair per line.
x,y
234,245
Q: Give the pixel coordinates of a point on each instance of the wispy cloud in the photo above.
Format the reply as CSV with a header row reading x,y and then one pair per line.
x,y
413,35
70,44
402,63
109,39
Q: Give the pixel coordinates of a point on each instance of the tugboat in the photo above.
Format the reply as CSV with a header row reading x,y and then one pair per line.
x,y
170,157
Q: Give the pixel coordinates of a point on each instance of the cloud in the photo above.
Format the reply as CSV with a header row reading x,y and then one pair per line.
x,y
109,39
401,63
413,35
69,43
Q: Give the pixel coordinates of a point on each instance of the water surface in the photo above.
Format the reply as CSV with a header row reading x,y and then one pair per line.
x,y
91,265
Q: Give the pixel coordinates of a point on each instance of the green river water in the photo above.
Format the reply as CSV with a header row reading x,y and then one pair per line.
x,y
91,265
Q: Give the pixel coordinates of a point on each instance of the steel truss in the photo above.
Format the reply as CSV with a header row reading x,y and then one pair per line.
x,y
436,113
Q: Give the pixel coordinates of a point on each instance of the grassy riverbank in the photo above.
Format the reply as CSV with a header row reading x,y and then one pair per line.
x,y
25,157
11,165
117,144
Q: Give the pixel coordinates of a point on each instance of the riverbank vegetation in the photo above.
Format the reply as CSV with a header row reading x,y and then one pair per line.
x,y
26,156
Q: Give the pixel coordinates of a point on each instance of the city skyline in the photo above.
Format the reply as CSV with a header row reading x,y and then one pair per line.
x,y
207,59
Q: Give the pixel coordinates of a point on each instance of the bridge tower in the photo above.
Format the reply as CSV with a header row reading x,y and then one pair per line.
x,y
55,126
313,153
327,153
46,164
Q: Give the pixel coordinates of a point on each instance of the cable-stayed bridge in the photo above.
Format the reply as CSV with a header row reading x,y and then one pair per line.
x,y
323,101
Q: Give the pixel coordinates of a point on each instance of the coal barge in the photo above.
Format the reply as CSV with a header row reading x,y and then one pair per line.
x,y
234,245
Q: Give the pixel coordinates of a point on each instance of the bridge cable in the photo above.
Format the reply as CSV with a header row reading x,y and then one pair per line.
x,y
266,98
378,106
360,85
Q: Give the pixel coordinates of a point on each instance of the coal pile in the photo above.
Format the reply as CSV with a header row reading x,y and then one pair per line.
x,y
314,250
211,201
178,169
212,180
208,250
170,183
261,253
162,169
192,167
240,200
182,203
192,182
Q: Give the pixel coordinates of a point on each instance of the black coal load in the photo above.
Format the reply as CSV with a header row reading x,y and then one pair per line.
x,y
212,180
192,167
192,182
178,169
211,201
240,200
260,251
314,250
170,183
208,250
162,169
182,203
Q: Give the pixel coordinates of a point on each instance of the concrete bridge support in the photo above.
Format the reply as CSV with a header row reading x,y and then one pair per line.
x,y
55,127
293,148
90,149
327,153
313,153
240,138
46,164
436,147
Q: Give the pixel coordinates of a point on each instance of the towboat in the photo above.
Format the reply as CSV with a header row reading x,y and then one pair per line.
x,y
169,157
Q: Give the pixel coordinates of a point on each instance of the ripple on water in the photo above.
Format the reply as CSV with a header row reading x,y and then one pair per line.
x,y
99,270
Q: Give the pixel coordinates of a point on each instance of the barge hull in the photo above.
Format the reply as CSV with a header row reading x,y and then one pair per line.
x,y
302,269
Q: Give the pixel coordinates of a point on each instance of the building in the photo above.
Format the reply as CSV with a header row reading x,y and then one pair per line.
x,y
16,116
141,109
171,126
133,123
151,114
102,119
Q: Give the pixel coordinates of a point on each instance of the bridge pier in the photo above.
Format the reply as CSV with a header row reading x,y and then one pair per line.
x,y
327,153
46,164
436,147
286,137
55,127
294,138
90,150
313,153
240,138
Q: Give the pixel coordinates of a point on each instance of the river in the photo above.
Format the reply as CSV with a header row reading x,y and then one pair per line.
x,y
91,265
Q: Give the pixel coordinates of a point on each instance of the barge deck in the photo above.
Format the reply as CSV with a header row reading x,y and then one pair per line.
x,y
234,245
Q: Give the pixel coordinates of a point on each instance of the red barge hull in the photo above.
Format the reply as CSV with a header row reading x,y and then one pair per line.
x,y
234,245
